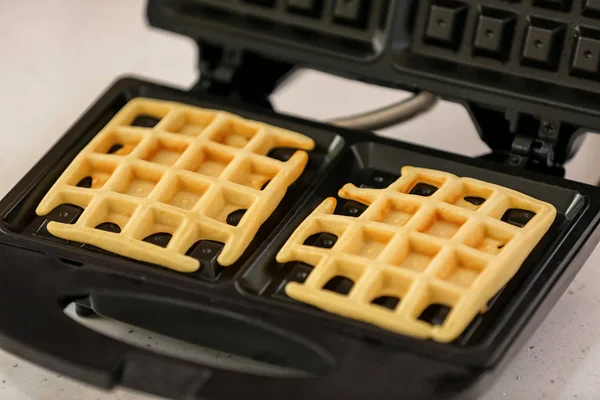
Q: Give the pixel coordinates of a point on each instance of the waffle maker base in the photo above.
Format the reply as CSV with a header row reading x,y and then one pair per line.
x,y
242,309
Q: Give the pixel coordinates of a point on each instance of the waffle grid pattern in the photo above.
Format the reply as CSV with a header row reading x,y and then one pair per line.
x,y
182,176
556,41
441,249
356,20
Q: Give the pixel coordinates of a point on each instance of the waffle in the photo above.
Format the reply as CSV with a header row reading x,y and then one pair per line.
x,y
160,167
431,240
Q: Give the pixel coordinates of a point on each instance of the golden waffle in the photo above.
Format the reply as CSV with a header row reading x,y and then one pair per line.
x,y
421,246
183,176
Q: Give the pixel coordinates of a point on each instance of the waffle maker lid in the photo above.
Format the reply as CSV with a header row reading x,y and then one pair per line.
x,y
522,68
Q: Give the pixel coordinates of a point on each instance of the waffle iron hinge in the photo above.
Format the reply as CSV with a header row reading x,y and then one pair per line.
x,y
515,138
235,72
527,141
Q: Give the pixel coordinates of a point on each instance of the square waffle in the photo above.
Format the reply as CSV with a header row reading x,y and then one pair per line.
x,y
164,168
430,239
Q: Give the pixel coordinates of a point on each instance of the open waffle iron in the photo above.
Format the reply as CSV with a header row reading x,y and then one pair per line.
x,y
527,71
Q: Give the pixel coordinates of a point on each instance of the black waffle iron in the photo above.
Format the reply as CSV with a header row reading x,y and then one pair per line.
x,y
528,72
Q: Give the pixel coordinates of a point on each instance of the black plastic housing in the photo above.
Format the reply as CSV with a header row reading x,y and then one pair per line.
x,y
540,58
241,311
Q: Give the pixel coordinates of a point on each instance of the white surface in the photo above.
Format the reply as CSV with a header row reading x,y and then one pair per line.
x,y
58,56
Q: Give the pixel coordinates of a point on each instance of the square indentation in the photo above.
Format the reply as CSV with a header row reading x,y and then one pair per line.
x,y
145,121
586,55
118,143
543,43
415,254
379,180
462,269
494,33
254,174
443,223
560,5
164,151
277,153
191,123
489,239
446,23
323,240
435,304
351,208
591,8
470,196
235,133
423,189
504,210
159,227
369,242
227,202
342,277
208,161
396,212
147,115
435,314
354,13
389,302
138,182
92,174
423,185
517,217
389,289
339,284
183,192
310,8
298,273
113,212
324,233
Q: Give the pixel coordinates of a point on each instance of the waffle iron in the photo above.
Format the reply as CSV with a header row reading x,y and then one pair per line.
x,y
527,71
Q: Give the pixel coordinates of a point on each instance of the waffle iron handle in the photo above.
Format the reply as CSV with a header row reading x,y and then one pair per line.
x,y
93,358
218,329
33,326
172,378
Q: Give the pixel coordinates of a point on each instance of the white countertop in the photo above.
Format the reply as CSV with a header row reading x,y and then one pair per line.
x,y
57,56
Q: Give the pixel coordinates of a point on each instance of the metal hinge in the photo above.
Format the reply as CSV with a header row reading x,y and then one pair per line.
x,y
539,148
527,141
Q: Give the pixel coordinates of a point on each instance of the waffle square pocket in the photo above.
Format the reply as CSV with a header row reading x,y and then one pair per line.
x,y
424,258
